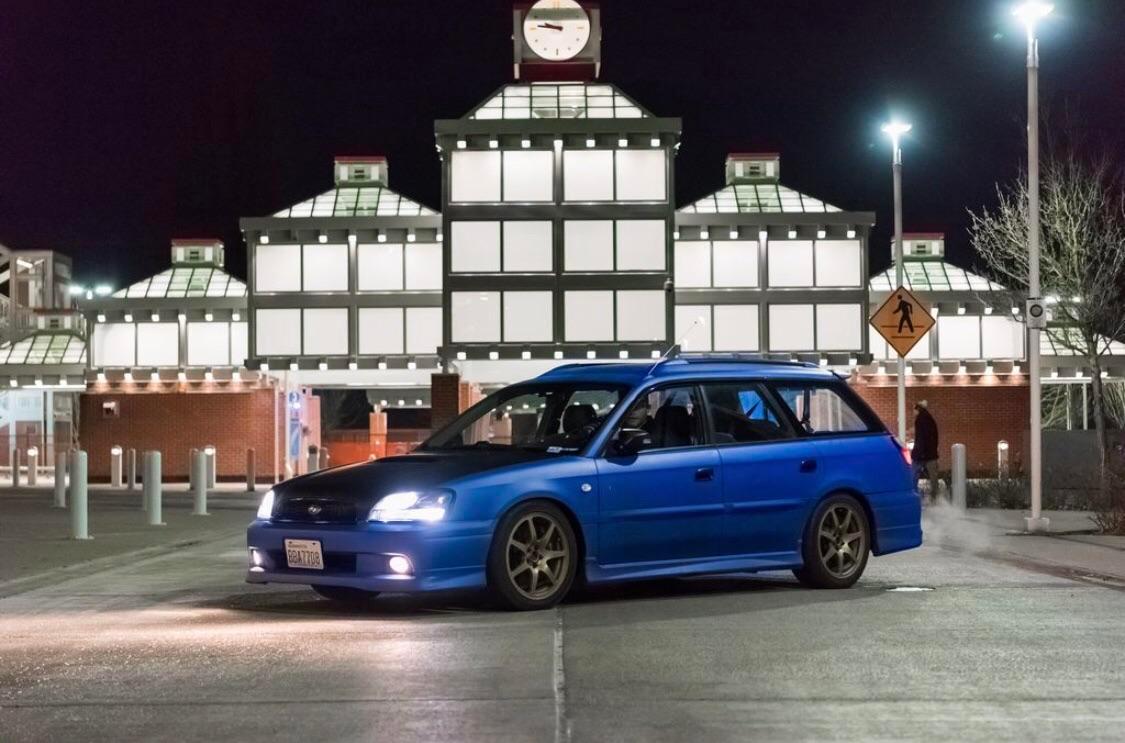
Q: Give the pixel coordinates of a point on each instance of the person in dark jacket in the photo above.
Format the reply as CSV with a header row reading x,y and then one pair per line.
x,y
925,452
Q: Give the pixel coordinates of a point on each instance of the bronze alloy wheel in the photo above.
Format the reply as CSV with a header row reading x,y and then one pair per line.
x,y
538,556
841,540
534,558
836,545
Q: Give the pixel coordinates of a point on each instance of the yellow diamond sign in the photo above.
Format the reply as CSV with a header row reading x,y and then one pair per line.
x,y
902,320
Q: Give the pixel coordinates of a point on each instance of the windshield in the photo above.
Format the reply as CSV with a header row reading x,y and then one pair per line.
x,y
552,418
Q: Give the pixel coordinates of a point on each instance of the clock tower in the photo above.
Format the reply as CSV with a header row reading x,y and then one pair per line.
x,y
557,211
556,40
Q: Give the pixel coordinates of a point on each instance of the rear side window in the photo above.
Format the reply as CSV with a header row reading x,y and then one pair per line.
x,y
743,412
822,409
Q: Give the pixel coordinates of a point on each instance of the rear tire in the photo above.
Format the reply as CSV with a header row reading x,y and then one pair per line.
x,y
345,595
533,558
836,545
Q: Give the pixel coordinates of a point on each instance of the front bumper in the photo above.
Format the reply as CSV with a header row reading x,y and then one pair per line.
x,y
443,556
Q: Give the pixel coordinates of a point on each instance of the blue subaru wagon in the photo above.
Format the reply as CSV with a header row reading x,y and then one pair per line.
x,y
595,473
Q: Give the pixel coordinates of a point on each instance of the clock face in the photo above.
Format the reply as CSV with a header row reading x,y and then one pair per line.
x,y
556,30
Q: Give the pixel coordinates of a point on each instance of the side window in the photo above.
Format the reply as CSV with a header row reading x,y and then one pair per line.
x,y
742,412
671,415
821,410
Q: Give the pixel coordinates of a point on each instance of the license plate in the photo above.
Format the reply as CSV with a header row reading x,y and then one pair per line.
x,y
304,553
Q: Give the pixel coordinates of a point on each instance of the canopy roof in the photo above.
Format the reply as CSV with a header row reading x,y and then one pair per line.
x,y
185,281
1052,343
371,200
933,276
757,198
45,347
559,101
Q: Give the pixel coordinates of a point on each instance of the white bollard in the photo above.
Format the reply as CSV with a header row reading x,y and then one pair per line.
x,y
15,468
314,462
115,466
131,469
33,466
199,484
60,479
209,452
959,477
152,488
191,468
251,465
79,518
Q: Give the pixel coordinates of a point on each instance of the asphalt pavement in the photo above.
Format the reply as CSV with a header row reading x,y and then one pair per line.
x,y
971,637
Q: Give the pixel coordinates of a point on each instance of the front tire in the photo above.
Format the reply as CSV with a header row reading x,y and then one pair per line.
x,y
345,595
533,558
836,545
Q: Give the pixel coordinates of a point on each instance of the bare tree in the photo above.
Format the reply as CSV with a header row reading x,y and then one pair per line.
x,y
1082,264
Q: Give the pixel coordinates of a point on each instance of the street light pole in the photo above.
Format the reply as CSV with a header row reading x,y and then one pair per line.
x,y
1030,12
895,130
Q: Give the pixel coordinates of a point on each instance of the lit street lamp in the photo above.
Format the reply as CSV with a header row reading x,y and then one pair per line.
x,y
1030,13
895,130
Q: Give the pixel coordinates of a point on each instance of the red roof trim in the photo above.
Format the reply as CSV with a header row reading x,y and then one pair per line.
x,y
361,158
196,240
924,235
753,155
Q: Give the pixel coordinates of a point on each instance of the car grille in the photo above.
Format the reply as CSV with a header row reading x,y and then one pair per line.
x,y
316,511
335,563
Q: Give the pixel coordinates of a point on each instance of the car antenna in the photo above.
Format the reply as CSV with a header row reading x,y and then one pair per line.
x,y
675,349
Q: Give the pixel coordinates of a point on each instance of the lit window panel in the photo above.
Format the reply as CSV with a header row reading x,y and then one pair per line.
x,y
367,202
559,101
45,348
352,201
19,351
756,198
218,285
324,204
304,209
185,282
75,351
197,282
345,202
388,205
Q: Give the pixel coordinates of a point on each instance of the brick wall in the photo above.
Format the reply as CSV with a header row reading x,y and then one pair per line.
x,y
975,411
174,422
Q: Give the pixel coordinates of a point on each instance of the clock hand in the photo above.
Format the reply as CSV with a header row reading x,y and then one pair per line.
x,y
551,26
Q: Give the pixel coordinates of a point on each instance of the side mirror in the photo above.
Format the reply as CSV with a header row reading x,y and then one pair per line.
x,y
631,441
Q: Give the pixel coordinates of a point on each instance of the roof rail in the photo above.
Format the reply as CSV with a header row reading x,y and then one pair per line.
x,y
735,358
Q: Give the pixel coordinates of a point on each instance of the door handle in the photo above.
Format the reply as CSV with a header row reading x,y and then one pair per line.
x,y
808,465
705,474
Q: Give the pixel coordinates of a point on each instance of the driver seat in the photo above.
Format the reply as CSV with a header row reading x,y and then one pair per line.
x,y
576,417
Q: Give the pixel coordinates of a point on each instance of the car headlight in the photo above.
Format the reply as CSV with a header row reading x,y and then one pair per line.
x,y
265,509
412,506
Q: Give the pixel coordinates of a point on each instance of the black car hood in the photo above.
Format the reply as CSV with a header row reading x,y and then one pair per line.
x,y
365,483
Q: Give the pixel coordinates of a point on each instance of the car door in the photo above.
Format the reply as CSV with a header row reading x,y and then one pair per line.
x,y
770,474
664,503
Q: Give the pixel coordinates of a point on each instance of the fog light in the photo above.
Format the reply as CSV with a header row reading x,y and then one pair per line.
x,y
257,560
399,564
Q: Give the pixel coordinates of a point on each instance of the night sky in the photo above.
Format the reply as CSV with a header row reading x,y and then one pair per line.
x,y
125,124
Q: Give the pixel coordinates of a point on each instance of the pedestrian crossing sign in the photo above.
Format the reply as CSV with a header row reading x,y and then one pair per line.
x,y
902,320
